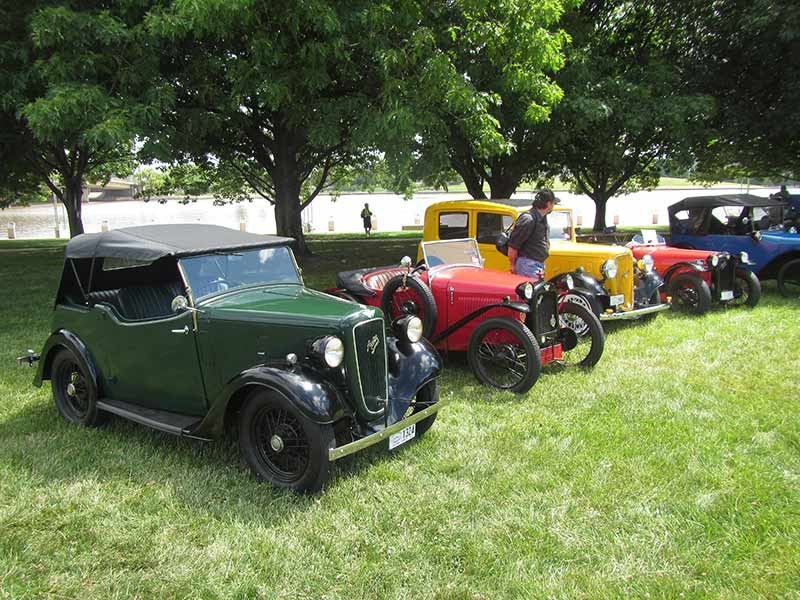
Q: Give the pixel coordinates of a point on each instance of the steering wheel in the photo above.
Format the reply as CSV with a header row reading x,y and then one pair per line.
x,y
220,284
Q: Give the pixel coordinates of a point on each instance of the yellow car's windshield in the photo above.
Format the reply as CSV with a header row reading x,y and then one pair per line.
x,y
560,222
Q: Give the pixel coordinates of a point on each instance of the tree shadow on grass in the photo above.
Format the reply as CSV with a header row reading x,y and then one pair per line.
x,y
208,477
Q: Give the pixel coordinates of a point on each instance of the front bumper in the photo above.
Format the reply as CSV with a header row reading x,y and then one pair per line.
x,y
634,314
375,438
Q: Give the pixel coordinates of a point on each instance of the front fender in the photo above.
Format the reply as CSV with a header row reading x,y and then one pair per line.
x,y
648,286
314,395
66,339
411,366
582,281
681,267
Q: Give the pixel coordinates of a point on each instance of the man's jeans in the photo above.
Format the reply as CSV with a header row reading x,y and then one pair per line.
x,y
529,268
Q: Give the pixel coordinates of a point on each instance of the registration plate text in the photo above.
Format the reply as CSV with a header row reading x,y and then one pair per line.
x,y
617,300
726,295
402,436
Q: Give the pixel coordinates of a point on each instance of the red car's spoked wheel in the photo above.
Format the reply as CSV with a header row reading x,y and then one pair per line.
x,y
504,354
403,295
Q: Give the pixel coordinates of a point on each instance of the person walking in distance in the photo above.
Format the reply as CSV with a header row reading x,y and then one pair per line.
x,y
366,216
529,244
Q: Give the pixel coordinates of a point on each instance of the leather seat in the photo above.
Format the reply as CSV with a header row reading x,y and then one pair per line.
x,y
148,302
110,297
379,280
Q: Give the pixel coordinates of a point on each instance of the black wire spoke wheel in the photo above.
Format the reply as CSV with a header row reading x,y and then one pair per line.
x,y
690,293
746,289
403,295
504,354
281,445
74,391
789,279
586,344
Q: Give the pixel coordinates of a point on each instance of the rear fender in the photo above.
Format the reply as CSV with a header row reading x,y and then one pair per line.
x,y
65,339
307,389
411,366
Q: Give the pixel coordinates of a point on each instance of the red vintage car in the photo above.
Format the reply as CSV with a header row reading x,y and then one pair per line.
x,y
508,325
696,278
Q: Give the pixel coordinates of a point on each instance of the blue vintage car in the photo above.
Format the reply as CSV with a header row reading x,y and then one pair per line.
x,y
761,231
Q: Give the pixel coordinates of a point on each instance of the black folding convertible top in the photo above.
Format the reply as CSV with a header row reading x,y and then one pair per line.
x,y
721,200
151,242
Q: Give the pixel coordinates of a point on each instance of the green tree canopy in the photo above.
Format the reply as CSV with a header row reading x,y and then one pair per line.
x,y
76,82
508,52
745,56
627,106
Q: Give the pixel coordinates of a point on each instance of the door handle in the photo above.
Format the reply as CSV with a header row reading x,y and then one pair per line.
x,y
184,331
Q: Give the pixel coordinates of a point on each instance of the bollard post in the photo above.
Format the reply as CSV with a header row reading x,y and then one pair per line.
x,y
330,223
580,220
243,225
12,231
616,219
655,218
374,223
416,219
58,232
104,226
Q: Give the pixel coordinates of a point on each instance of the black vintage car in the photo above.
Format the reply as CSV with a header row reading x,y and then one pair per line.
x,y
189,328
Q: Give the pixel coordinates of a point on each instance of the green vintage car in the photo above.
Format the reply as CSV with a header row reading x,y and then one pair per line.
x,y
191,328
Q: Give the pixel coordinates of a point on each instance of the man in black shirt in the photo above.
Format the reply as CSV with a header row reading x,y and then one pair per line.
x,y
529,244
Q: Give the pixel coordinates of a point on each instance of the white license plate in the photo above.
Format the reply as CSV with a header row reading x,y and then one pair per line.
x,y
617,300
402,436
726,295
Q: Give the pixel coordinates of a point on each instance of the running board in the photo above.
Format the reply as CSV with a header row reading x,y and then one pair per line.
x,y
169,422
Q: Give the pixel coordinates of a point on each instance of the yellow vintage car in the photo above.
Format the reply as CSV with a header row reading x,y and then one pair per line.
x,y
603,278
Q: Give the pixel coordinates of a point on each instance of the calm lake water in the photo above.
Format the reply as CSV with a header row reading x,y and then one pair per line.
x,y
391,211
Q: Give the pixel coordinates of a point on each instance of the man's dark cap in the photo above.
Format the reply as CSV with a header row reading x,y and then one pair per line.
x,y
544,196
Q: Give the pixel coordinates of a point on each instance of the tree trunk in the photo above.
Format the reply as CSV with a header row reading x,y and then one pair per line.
x,y
600,200
288,213
73,197
503,186
474,184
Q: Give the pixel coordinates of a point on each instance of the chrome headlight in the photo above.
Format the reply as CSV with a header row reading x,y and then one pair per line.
x,y
414,329
569,281
525,290
330,350
646,263
713,260
609,269
744,257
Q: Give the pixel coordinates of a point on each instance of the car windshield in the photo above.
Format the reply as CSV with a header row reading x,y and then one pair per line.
x,y
220,272
560,223
452,252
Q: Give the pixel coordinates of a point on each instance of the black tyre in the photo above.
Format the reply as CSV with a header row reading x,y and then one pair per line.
x,y
408,295
584,346
281,445
789,279
427,395
746,289
74,391
504,354
690,293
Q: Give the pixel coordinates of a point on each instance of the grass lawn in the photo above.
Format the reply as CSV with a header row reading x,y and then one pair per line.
x,y
672,470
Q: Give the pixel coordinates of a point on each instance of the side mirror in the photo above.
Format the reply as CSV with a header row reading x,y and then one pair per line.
x,y
179,304
405,262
